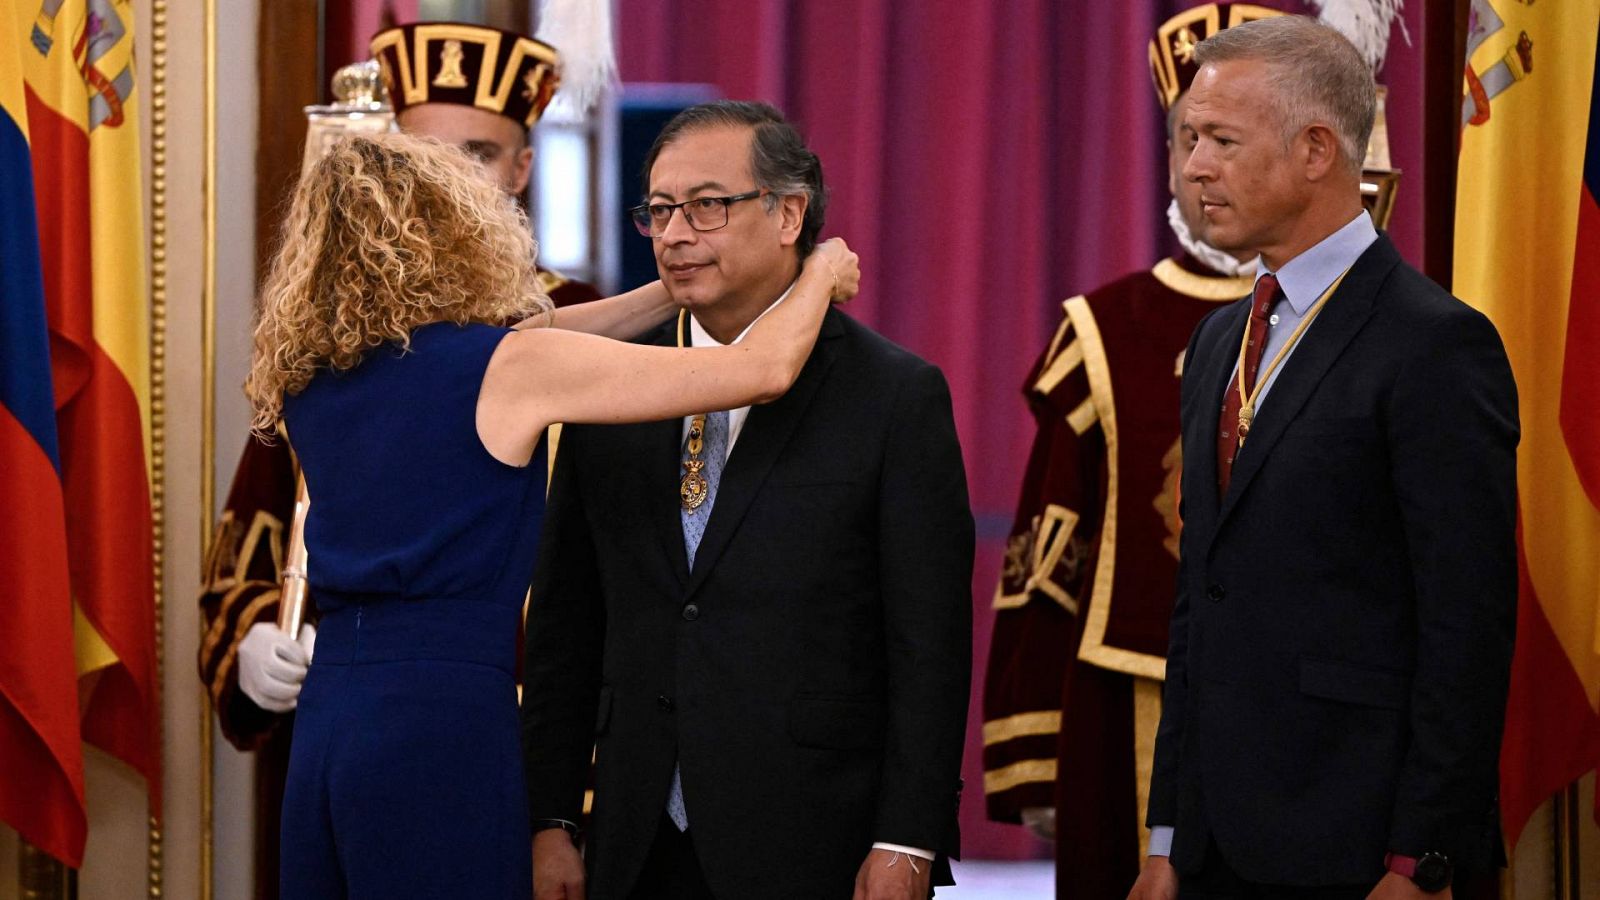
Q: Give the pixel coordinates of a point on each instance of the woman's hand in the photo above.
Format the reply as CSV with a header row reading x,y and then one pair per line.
x,y
842,264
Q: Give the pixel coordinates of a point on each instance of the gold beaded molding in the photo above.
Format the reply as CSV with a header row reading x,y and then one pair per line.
x,y
158,362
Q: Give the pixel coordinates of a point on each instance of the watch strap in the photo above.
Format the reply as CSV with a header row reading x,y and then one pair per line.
x,y
1401,864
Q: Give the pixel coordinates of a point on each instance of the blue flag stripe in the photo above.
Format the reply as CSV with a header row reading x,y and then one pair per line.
x,y
25,385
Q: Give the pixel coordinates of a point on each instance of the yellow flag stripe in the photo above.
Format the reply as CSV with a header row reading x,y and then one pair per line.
x,y
14,30
81,87
89,646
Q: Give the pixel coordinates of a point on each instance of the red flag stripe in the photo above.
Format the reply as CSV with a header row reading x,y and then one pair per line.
x,y
108,537
41,791
1552,734
103,467
1580,378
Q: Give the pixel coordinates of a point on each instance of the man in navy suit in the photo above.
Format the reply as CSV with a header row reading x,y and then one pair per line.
x,y
1341,642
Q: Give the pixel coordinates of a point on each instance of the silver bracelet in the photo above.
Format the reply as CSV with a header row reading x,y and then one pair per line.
x,y
909,859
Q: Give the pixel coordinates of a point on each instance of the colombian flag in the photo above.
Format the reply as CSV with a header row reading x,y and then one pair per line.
x,y
1527,254
41,792
75,113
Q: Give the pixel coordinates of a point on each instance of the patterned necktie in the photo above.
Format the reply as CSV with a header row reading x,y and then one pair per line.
x,y
715,454
1267,295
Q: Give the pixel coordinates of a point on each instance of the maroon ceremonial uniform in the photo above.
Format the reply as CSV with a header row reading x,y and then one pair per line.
x,y
242,576
1072,694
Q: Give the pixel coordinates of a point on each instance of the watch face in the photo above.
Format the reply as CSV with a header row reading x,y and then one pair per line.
x,y
1433,872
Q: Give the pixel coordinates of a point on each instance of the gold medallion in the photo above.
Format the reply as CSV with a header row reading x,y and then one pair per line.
x,y
693,489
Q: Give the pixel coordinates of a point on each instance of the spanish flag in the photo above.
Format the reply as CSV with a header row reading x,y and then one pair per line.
x,y
81,114
41,790
1527,253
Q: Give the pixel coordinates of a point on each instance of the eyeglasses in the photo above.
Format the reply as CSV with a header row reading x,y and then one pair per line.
x,y
702,213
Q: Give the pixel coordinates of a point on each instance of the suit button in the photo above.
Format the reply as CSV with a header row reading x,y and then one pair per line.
x,y
691,612
1216,593
664,702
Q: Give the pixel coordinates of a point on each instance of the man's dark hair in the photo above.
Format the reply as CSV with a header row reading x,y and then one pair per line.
x,y
779,158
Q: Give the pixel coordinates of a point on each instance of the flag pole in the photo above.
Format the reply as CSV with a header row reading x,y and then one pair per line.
x,y
41,876
1567,845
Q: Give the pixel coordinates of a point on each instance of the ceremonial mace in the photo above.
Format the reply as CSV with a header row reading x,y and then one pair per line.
x,y
292,593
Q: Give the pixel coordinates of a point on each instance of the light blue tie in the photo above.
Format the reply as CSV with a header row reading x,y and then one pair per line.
x,y
715,453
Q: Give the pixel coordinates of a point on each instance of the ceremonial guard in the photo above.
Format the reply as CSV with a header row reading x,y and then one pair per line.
x,y
472,80
1073,691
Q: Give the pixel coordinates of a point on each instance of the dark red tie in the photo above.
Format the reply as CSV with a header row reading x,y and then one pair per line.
x,y
1267,295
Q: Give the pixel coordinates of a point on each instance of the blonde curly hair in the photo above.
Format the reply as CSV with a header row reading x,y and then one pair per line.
x,y
385,233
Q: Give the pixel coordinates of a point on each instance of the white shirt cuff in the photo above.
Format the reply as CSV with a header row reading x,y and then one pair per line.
x,y
1161,841
909,851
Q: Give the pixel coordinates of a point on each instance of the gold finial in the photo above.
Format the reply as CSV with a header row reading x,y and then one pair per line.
x,y
359,84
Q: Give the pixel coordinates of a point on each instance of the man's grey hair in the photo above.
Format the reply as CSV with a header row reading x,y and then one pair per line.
x,y
1320,77
779,157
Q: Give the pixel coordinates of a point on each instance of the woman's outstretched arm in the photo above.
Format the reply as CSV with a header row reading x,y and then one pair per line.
x,y
621,318
544,375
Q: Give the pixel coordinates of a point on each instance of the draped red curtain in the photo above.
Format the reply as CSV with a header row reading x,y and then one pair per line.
x,y
987,160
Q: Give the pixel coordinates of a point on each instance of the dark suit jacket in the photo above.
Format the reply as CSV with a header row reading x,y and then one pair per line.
x,y
1341,642
810,674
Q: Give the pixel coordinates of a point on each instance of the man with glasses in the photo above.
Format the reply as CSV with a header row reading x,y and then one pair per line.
x,y
757,619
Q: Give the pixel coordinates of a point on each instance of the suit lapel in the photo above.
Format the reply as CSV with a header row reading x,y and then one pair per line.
x,y
662,450
766,432
1324,341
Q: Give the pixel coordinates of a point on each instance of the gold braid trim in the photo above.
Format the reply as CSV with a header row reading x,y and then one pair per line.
x,y
218,560
1049,540
1062,330
1201,287
1029,771
246,619
1059,368
1094,649
1146,719
264,522
1083,418
1027,724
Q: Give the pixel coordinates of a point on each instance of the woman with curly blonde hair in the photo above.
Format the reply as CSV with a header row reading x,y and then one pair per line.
x,y
418,418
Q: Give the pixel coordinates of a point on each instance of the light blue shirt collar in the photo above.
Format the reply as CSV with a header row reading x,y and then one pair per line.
x,y
1304,278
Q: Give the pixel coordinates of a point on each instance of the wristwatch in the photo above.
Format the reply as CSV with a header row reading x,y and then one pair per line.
x,y
1432,872
569,827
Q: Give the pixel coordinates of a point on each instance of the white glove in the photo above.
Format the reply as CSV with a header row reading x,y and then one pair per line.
x,y
272,665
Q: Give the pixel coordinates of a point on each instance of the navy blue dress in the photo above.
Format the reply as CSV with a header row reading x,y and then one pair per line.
x,y
405,777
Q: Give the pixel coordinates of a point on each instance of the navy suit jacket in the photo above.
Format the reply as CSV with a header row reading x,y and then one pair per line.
x,y
1341,641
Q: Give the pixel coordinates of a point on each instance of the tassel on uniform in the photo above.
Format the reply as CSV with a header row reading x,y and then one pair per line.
x,y
580,30
1366,23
